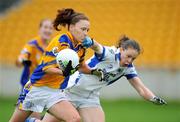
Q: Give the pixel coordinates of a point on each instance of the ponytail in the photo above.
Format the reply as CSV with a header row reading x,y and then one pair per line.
x,y
66,17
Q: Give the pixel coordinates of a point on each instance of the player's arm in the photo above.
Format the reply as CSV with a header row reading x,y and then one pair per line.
x,y
24,57
52,68
84,68
88,42
145,92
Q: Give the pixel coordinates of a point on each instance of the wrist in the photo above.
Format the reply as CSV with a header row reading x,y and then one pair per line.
x,y
61,72
153,99
26,62
93,71
92,43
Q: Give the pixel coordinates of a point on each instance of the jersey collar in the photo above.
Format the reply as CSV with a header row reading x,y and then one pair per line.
x,y
117,55
40,42
72,39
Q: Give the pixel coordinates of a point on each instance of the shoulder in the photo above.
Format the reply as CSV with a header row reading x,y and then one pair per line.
x,y
110,49
32,42
60,38
64,38
131,69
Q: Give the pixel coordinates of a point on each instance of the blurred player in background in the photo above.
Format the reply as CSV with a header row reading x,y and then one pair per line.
x,y
33,50
115,62
43,90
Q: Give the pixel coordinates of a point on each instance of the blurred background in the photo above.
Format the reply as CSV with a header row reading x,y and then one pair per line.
x,y
155,24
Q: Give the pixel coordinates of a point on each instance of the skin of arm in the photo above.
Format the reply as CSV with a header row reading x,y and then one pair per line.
x,y
54,71
25,55
85,68
141,88
97,47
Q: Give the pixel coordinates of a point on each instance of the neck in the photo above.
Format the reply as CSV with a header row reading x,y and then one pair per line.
x,y
44,41
76,42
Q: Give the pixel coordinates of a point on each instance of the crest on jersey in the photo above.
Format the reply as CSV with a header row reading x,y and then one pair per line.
x,y
110,66
111,51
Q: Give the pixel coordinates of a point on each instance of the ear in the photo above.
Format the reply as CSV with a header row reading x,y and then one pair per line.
x,y
71,26
121,49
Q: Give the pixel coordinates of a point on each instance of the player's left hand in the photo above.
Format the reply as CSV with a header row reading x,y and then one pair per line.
x,y
87,42
158,101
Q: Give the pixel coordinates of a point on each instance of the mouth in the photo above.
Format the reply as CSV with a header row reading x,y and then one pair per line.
x,y
126,65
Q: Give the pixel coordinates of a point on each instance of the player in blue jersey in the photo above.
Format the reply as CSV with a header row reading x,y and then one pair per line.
x,y
114,62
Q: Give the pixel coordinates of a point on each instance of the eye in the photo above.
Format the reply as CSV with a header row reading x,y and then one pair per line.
x,y
85,29
133,59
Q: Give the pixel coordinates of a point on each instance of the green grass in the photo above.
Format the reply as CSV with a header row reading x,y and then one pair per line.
x,y
119,111
140,111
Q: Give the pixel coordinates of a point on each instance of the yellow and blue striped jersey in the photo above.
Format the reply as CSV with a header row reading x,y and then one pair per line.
x,y
32,51
40,78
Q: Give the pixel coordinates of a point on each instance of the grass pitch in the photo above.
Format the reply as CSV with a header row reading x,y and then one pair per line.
x,y
118,111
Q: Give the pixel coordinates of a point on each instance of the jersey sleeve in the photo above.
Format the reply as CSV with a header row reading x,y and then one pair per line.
x,y
107,53
26,52
130,72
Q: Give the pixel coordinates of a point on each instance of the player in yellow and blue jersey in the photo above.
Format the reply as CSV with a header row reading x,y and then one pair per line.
x,y
44,91
33,50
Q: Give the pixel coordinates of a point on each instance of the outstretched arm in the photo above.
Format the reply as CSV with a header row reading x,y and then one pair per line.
x,y
145,92
88,42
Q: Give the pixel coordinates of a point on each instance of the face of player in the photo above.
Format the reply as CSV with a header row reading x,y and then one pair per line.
x,y
128,56
80,30
46,30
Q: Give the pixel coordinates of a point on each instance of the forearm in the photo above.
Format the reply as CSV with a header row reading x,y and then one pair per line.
x,y
97,47
54,71
141,88
85,69
146,93
21,59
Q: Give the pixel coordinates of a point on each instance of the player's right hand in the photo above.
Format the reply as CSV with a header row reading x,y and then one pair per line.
x,y
68,69
158,101
100,73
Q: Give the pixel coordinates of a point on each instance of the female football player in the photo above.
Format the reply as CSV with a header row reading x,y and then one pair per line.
x,y
31,53
115,62
43,91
